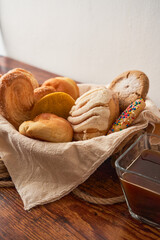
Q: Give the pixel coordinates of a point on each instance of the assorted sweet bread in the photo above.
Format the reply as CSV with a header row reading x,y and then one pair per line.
x,y
17,96
58,103
42,91
93,113
63,84
55,111
130,86
128,116
47,127
34,82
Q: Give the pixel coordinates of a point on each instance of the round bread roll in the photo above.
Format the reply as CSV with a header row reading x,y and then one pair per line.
x,y
130,86
94,113
63,84
48,127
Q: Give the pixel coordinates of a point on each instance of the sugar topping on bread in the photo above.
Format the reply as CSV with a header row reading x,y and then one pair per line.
x,y
128,85
93,98
92,113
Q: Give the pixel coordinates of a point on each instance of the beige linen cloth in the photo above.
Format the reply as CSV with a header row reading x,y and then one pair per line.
x,y
44,172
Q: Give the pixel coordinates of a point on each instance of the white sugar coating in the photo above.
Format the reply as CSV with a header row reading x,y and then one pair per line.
x,y
127,85
96,97
91,110
98,121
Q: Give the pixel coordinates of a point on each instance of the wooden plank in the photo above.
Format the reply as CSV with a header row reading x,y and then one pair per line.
x,y
7,64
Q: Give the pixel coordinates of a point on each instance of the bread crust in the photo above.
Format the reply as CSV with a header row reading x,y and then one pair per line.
x,y
128,116
63,84
34,82
16,97
130,86
94,113
48,127
42,91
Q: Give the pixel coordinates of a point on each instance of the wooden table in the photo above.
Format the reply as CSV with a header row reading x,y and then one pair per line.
x,y
70,218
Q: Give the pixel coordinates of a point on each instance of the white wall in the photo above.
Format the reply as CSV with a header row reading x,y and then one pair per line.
x,y
2,48
90,41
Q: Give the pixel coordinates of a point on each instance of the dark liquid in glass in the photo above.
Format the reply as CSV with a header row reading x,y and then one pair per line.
x,y
143,194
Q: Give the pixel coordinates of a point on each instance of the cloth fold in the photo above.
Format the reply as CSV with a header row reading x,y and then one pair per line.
x,y
44,172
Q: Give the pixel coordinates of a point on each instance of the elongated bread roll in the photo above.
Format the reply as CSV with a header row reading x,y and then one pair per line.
x,y
128,116
47,127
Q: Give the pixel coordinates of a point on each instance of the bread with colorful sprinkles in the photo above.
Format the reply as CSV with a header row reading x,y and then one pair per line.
x,y
128,116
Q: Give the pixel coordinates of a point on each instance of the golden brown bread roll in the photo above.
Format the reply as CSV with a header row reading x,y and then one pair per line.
x,y
16,96
48,127
93,113
130,86
42,91
63,84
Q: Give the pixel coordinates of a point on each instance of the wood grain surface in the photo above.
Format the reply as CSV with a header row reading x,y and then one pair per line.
x,y
70,218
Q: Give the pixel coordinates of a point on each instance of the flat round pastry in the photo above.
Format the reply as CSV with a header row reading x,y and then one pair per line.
x,y
42,91
58,103
128,116
48,127
16,96
34,82
130,86
93,113
63,84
